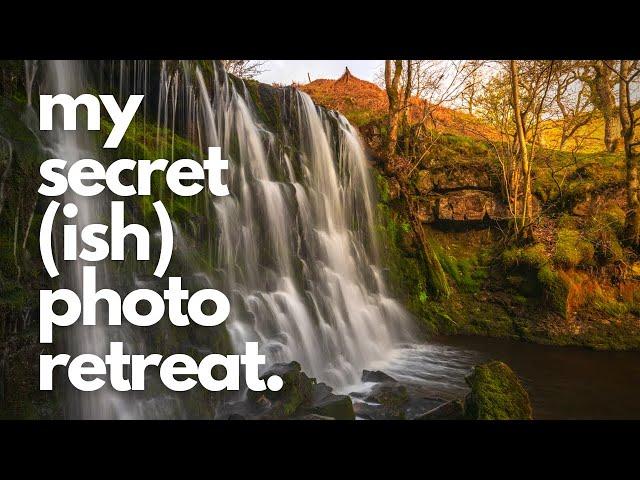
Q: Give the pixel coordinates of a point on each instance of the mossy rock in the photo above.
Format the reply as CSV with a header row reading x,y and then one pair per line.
x,y
392,396
572,249
496,394
604,231
297,389
533,256
556,287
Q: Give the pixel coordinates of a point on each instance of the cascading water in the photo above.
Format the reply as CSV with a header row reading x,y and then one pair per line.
x,y
297,241
293,245
69,77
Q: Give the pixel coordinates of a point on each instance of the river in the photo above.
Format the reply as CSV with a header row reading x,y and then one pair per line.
x,y
562,382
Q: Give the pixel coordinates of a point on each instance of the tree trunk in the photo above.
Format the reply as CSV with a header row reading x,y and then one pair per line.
x,y
606,103
627,122
525,163
392,83
405,108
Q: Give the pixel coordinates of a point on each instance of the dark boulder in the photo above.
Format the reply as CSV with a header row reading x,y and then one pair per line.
x,y
327,404
397,401
300,397
376,376
297,389
392,396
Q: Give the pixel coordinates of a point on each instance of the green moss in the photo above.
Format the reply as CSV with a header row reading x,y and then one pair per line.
x,y
572,249
407,273
556,289
467,274
382,185
604,230
613,217
579,176
533,256
610,306
496,394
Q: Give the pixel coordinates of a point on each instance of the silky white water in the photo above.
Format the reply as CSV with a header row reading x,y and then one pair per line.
x,y
297,239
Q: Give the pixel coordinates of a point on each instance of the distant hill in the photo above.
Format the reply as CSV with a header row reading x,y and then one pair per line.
x,y
363,102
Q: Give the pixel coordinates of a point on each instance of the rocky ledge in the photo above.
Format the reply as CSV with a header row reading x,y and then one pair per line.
x,y
466,193
495,394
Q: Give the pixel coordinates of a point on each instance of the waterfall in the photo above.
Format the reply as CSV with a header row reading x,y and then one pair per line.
x,y
293,246
297,240
71,77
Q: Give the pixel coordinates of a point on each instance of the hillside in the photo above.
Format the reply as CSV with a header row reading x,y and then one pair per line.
x,y
364,103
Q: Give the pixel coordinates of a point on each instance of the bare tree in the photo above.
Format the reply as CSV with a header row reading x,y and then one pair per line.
x,y
628,74
471,85
392,76
516,102
573,103
603,82
244,68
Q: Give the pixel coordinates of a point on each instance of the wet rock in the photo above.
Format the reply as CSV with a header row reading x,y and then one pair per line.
x,y
366,411
451,410
397,401
300,397
392,396
469,205
389,393
376,376
327,404
496,394
313,416
297,389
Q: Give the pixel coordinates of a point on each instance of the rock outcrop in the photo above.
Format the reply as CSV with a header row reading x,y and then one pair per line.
x,y
469,205
466,193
